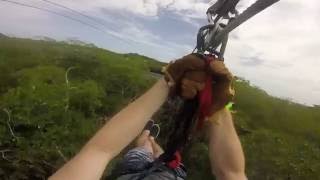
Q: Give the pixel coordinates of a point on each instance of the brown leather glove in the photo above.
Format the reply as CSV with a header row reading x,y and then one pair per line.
x,y
217,92
222,90
186,76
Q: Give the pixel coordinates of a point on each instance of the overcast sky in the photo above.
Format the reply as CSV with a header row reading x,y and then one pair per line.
x,y
277,50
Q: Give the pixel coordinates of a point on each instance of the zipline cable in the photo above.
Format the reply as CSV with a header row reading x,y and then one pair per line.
x,y
74,11
65,16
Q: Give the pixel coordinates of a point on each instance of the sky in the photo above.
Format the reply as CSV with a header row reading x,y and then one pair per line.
x,y
278,50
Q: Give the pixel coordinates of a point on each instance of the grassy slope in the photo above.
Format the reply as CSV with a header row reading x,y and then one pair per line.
x,y
280,138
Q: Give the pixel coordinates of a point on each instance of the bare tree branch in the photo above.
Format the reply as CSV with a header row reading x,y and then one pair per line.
x,y
48,164
61,154
68,87
4,155
9,123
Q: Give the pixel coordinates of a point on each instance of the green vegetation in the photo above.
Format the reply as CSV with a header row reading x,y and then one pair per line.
x,y
55,95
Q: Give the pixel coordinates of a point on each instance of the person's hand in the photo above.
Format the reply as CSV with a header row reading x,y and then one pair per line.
x,y
222,90
186,76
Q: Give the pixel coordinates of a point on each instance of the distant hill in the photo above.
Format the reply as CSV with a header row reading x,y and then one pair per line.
x,y
44,38
53,95
2,35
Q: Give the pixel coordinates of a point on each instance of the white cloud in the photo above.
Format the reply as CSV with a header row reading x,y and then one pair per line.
x,y
286,38
154,42
194,8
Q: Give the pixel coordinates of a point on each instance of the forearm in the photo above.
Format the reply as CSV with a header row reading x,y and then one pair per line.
x,y
128,123
226,154
116,134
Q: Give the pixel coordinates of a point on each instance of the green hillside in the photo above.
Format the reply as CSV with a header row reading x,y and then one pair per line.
x,y
55,95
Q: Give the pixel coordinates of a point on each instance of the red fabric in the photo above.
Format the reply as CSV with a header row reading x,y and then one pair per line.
x,y
176,162
205,99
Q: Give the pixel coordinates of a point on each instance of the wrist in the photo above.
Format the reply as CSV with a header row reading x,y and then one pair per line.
x,y
216,117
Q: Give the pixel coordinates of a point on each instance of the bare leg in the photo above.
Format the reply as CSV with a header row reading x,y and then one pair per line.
x,y
157,149
149,144
144,142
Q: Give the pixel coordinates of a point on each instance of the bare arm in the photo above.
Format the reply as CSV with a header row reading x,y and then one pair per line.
x,y
116,134
226,154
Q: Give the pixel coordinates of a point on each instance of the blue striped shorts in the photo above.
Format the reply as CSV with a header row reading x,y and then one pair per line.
x,y
139,159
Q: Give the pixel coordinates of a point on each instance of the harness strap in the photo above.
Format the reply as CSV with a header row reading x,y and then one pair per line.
x,y
175,163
